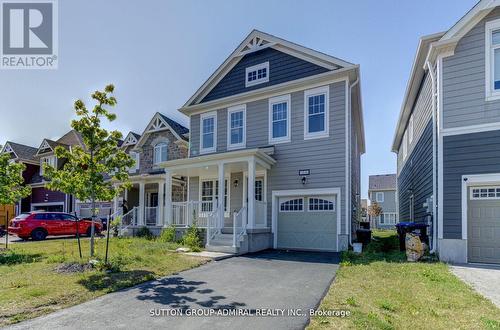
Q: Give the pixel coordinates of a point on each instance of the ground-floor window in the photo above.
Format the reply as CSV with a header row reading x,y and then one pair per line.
x,y
388,218
259,190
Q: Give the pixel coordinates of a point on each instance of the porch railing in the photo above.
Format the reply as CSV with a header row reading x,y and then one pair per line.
x,y
128,219
186,213
151,216
239,224
260,214
212,228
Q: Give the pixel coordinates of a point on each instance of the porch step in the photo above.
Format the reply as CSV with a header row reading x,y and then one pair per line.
x,y
222,248
227,230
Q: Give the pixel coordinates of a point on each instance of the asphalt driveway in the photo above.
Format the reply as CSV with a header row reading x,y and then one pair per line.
x,y
253,283
485,279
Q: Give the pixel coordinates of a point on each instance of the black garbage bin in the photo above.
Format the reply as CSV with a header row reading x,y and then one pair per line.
x,y
364,225
364,236
408,227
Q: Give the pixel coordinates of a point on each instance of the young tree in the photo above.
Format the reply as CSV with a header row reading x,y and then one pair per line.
x,y
11,184
374,210
100,170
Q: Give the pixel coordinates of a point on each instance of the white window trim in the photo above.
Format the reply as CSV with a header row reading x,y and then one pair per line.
x,y
377,194
52,161
214,180
136,157
384,221
155,152
312,92
288,199
202,117
274,100
238,108
326,198
483,187
254,68
491,93
405,145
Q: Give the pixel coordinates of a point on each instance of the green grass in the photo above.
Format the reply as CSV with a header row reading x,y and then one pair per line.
x,y
383,291
29,285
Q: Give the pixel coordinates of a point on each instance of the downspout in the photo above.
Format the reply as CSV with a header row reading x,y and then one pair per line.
x,y
434,156
348,161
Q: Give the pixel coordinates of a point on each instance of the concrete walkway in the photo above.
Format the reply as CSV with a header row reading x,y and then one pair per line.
x,y
269,280
485,279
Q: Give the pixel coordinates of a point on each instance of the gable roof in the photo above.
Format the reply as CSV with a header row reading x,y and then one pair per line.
x,y
131,139
160,122
21,151
382,182
258,40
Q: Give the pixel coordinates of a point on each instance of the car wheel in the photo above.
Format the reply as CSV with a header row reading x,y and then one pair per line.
x,y
38,235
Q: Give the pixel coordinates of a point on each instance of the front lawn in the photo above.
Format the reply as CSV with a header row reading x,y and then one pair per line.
x,y
383,291
30,285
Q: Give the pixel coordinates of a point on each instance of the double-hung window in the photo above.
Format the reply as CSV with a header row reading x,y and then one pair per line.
x,y
208,132
257,74
492,48
410,130
49,160
379,197
236,127
316,113
279,119
160,153
210,195
135,156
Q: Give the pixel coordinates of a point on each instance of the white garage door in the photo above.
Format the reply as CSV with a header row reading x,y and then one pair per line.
x,y
484,224
307,223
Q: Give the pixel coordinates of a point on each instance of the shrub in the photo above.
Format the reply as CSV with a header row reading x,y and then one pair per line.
x,y
192,238
115,225
167,235
144,232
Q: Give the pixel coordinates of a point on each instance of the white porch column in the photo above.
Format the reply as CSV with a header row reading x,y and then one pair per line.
x,y
142,203
115,203
161,204
251,193
221,195
168,198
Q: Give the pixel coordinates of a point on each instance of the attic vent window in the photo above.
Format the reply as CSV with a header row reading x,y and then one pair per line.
x,y
257,74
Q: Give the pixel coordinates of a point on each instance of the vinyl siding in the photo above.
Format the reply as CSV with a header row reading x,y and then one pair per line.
x,y
355,179
477,153
422,113
282,68
464,85
389,203
324,157
416,175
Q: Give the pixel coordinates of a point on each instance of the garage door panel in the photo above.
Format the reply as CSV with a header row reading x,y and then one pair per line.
x,y
307,230
483,229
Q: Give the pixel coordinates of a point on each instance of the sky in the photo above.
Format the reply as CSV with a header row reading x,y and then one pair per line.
x,y
158,53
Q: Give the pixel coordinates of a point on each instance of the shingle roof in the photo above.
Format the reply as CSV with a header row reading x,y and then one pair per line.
x,y
385,181
178,128
23,151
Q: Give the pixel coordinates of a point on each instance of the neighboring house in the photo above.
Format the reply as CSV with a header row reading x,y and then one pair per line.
x,y
163,140
382,190
364,210
447,138
23,154
275,144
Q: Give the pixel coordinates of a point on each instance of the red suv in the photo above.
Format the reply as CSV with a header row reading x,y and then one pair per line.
x,y
39,225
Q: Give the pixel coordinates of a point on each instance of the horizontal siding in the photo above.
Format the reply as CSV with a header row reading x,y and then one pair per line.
x,y
422,113
282,68
477,153
389,203
416,176
464,85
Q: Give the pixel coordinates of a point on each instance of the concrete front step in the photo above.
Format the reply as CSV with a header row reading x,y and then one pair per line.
x,y
222,248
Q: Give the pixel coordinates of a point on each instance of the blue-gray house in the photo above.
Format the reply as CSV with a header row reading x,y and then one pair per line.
x,y
448,138
276,135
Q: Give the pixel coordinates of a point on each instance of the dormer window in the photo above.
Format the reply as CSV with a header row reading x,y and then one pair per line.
x,y
257,74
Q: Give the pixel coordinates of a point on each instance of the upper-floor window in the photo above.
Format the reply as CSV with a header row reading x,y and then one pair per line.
x,y
279,119
379,197
492,60
208,132
236,127
160,152
257,74
404,145
410,129
49,160
316,113
135,157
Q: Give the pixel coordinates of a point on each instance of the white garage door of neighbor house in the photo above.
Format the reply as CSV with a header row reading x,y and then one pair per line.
x,y
483,228
307,223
